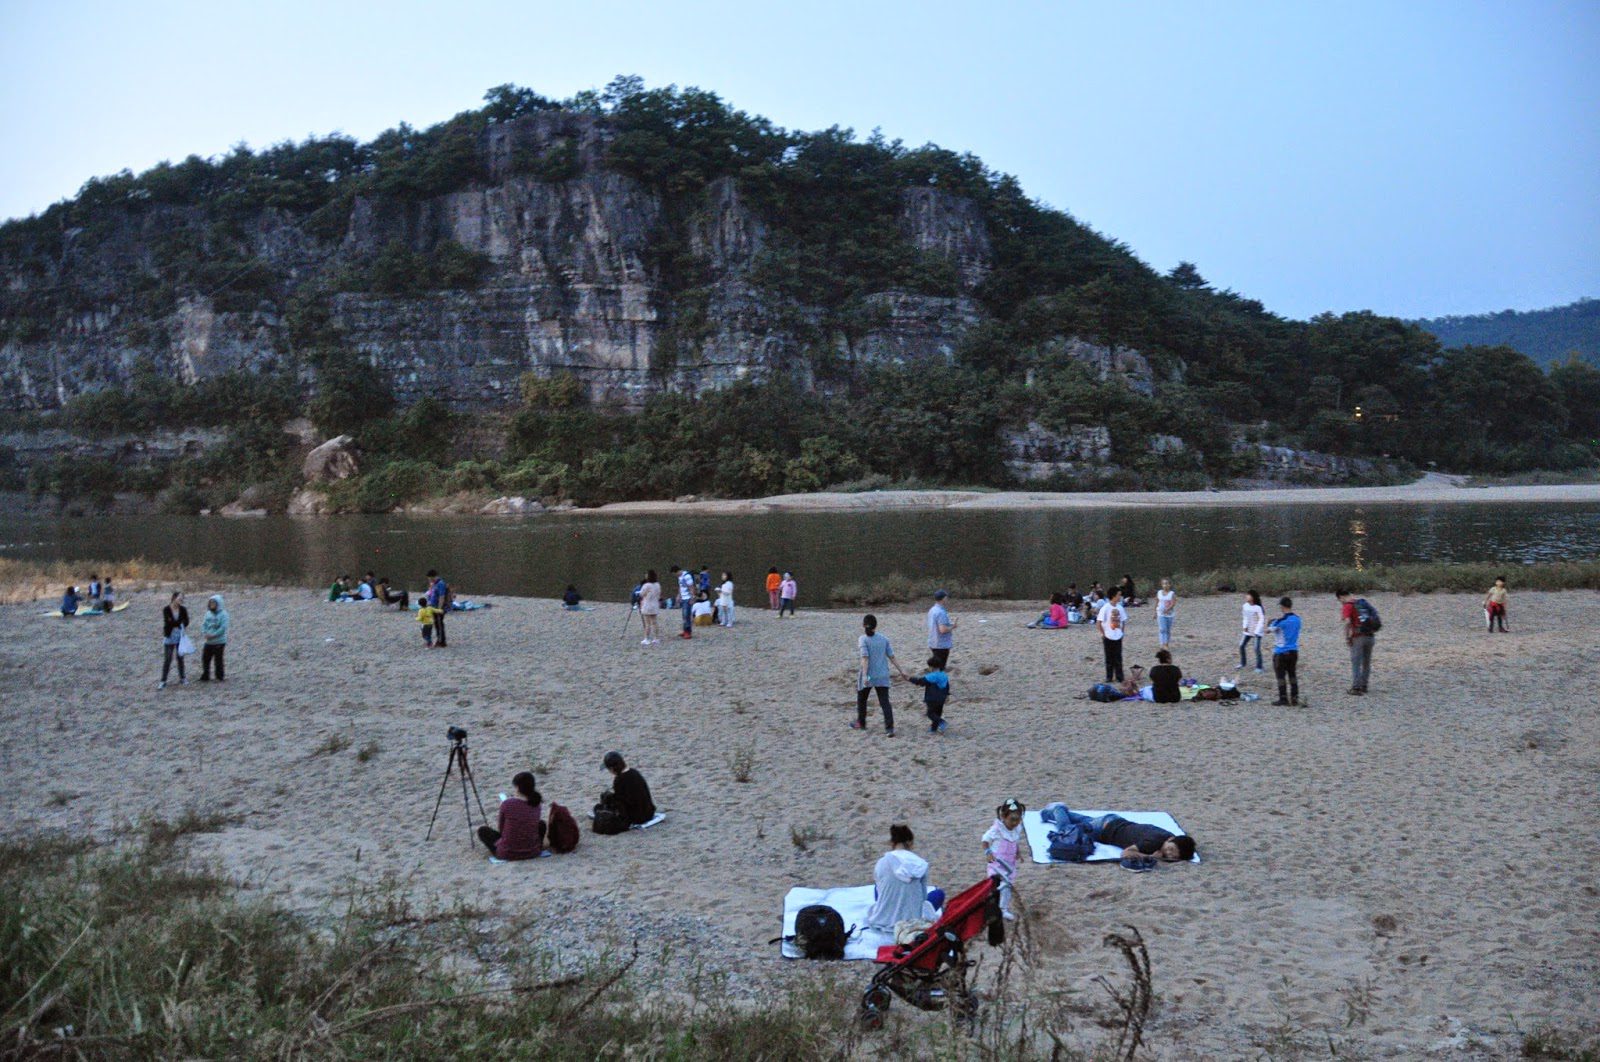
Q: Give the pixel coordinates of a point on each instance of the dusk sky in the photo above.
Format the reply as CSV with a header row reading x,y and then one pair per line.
x,y
1411,158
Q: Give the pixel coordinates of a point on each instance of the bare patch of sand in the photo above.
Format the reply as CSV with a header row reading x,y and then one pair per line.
x,y
1375,868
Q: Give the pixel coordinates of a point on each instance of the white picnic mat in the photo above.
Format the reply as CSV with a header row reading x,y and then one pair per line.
x,y
852,902
646,825
1039,834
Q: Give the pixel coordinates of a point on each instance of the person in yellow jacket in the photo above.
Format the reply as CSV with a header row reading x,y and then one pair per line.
x,y
425,616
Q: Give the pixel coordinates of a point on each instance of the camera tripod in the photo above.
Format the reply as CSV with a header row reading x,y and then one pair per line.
x,y
458,752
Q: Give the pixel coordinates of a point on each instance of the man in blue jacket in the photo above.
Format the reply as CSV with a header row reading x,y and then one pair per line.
x,y
1286,654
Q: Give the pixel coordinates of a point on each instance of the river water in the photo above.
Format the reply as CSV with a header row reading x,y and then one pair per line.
x,y
1034,552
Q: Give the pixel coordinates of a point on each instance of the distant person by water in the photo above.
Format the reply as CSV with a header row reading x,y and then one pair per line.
x,y
941,628
725,600
1494,605
440,598
1253,620
774,581
1166,612
788,590
1286,654
174,623
686,596
1359,635
650,608
214,634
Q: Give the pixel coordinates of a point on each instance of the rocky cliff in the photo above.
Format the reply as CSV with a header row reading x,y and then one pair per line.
x,y
575,280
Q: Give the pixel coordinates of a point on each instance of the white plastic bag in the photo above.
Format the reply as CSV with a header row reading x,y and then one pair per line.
x,y
185,646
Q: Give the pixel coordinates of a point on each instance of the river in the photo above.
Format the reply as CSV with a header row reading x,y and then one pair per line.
x,y
1032,551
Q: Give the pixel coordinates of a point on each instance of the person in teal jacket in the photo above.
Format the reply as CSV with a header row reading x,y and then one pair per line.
x,y
214,632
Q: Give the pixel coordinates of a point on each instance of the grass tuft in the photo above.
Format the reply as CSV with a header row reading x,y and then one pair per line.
x,y
896,588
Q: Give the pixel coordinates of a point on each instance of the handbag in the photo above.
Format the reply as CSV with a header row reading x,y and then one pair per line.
x,y
185,646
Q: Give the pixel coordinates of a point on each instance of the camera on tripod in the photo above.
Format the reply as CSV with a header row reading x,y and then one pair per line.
x,y
458,762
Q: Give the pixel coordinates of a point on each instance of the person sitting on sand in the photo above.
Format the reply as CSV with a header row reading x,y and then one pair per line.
x,y
1137,840
899,883
94,591
1129,599
69,602
108,596
521,832
390,596
701,612
1164,680
572,601
364,590
631,792
1053,618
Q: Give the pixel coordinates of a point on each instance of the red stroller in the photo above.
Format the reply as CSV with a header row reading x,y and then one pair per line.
x,y
931,972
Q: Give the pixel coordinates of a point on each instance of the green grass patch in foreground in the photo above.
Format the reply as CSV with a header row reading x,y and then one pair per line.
x,y
1473,577
132,953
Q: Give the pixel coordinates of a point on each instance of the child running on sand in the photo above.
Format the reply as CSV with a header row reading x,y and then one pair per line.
x,y
1001,843
425,615
1494,605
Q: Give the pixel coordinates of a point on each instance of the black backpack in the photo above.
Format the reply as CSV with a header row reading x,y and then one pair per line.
x,y
1367,621
819,932
608,820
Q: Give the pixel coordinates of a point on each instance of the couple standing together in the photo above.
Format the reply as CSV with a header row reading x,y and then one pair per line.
x,y
877,656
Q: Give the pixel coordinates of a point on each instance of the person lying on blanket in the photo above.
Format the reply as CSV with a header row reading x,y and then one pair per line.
x,y
1137,840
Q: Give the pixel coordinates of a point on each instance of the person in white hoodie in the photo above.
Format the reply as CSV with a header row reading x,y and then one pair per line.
x,y
901,880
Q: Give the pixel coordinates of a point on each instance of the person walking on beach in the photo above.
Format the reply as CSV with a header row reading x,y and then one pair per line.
x,y
941,629
1254,621
1286,654
877,655
788,590
1494,605
774,581
725,600
1360,622
214,635
650,608
1112,621
174,622
439,599
1166,611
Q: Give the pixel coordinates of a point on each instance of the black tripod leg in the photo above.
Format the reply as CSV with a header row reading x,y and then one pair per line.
x,y
442,783
466,773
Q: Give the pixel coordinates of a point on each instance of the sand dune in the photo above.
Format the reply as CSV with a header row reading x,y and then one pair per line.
x,y
1390,872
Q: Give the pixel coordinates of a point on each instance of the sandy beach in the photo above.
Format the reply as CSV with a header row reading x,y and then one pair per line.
x,y
1397,874
1433,488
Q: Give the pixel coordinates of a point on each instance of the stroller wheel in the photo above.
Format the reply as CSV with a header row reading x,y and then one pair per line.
x,y
871,1020
876,998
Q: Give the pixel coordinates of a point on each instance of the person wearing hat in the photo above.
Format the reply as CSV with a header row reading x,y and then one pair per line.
x,y
941,629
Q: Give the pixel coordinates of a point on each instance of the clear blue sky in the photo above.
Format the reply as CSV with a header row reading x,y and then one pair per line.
x,y
1410,158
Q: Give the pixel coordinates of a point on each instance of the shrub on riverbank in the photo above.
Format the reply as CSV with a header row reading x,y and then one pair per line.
x,y
22,581
896,588
1440,577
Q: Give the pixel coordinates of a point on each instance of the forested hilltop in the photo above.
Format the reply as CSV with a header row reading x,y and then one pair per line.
x,y
645,293
1548,336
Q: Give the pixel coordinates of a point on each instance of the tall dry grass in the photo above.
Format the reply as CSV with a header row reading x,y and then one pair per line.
x,y
23,581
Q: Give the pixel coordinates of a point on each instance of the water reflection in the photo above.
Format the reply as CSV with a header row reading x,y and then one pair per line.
x,y
1032,552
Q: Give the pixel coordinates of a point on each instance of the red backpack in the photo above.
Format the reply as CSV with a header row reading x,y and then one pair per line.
x,y
563,833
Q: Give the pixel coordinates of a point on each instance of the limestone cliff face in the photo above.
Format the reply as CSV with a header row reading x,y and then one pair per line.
x,y
575,285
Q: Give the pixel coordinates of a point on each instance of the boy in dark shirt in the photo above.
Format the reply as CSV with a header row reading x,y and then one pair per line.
x,y
631,790
935,683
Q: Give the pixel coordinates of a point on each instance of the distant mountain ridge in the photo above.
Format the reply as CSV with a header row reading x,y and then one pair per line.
x,y
1547,336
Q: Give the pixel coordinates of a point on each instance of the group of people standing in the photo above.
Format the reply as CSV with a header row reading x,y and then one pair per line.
x,y
877,657
176,644
700,602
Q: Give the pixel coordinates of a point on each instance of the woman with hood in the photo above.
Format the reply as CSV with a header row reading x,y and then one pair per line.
x,y
901,883
214,632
